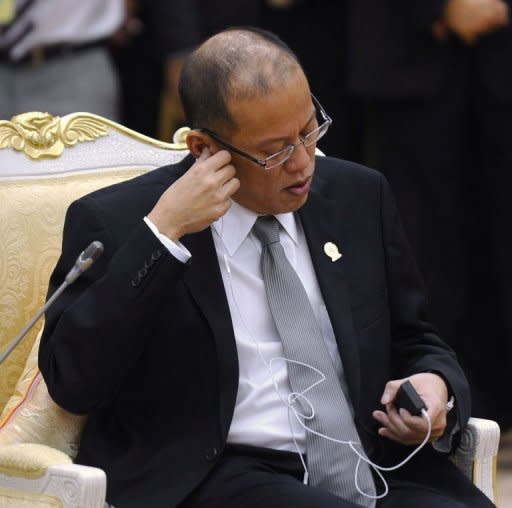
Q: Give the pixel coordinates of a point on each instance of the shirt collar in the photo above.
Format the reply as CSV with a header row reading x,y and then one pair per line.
x,y
236,224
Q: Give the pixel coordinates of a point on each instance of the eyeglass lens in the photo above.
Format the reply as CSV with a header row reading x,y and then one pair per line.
x,y
308,140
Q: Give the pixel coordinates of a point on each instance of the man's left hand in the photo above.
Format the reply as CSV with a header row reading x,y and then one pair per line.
x,y
400,425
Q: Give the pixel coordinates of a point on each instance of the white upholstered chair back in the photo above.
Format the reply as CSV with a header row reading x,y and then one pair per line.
x,y
47,162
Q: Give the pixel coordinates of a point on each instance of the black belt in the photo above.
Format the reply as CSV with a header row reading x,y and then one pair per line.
x,y
40,54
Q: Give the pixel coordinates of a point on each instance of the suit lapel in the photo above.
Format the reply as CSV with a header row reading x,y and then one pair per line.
x,y
320,226
204,281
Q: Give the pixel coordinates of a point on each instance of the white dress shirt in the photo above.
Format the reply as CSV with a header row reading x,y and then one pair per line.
x,y
261,418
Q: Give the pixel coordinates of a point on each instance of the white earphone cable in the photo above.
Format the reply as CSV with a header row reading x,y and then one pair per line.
x,y
293,397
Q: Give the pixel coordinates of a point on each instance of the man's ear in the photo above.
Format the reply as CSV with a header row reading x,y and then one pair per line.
x,y
197,141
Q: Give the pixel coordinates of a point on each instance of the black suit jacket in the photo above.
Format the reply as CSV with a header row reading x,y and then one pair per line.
x,y
144,344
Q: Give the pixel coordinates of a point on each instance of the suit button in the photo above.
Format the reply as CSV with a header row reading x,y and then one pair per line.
x,y
156,255
211,453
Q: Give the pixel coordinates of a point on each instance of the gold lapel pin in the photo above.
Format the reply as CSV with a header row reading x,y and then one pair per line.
x,y
332,251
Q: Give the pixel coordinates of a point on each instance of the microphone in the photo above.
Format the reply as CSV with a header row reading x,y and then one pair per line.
x,y
82,263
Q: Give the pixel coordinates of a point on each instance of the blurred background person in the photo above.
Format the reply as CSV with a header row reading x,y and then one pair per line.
x,y
439,78
148,51
54,57
150,48
316,30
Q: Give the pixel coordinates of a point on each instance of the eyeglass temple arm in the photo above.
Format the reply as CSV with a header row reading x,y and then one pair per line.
x,y
233,148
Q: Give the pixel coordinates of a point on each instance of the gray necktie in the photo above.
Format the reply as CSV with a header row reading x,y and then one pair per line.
x,y
331,465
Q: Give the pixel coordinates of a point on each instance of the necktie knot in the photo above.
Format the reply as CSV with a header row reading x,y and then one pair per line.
x,y
266,229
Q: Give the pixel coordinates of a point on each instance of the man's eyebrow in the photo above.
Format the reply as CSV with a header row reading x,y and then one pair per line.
x,y
275,140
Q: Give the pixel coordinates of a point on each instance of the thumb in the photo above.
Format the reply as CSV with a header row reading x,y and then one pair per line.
x,y
390,391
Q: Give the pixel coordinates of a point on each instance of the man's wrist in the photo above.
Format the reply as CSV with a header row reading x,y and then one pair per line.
x,y
172,233
450,397
176,248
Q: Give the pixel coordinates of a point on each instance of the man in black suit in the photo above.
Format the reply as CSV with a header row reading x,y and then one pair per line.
x,y
439,81
166,341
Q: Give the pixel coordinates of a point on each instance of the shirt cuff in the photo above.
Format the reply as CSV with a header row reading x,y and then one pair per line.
x,y
177,249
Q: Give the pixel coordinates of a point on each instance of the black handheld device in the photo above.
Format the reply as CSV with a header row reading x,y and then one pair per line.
x,y
407,397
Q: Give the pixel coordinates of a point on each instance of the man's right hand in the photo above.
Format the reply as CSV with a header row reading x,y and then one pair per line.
x,y
198,198
470,19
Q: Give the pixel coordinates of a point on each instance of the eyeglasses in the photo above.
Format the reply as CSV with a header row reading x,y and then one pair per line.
x,y
278,158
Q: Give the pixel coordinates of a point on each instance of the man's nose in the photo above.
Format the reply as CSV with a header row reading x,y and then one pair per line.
x,y
300,158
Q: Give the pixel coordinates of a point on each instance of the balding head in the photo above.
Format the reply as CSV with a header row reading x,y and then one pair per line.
x,y
236,64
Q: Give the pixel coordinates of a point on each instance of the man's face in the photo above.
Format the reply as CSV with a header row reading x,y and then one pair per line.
x,y
266,125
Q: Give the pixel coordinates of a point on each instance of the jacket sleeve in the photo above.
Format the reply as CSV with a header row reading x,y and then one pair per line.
x,y
97,329
416,346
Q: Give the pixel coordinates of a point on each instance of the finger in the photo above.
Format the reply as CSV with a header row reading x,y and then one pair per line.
x,y
222,158
222,178
385,432
387,422
415,423
410,440
225,174
381,417
389,431
213,162
231,187
397,425
205,154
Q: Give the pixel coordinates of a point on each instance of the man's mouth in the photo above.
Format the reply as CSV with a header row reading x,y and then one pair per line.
x,y
300,188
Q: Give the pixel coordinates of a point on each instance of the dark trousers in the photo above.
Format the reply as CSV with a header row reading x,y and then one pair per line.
x,y
448,160
253,477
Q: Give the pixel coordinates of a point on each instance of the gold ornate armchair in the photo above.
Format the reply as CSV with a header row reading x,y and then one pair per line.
x,y
45,163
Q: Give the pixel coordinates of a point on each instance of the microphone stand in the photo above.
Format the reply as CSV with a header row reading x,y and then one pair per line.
x,y
84,261
32,322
